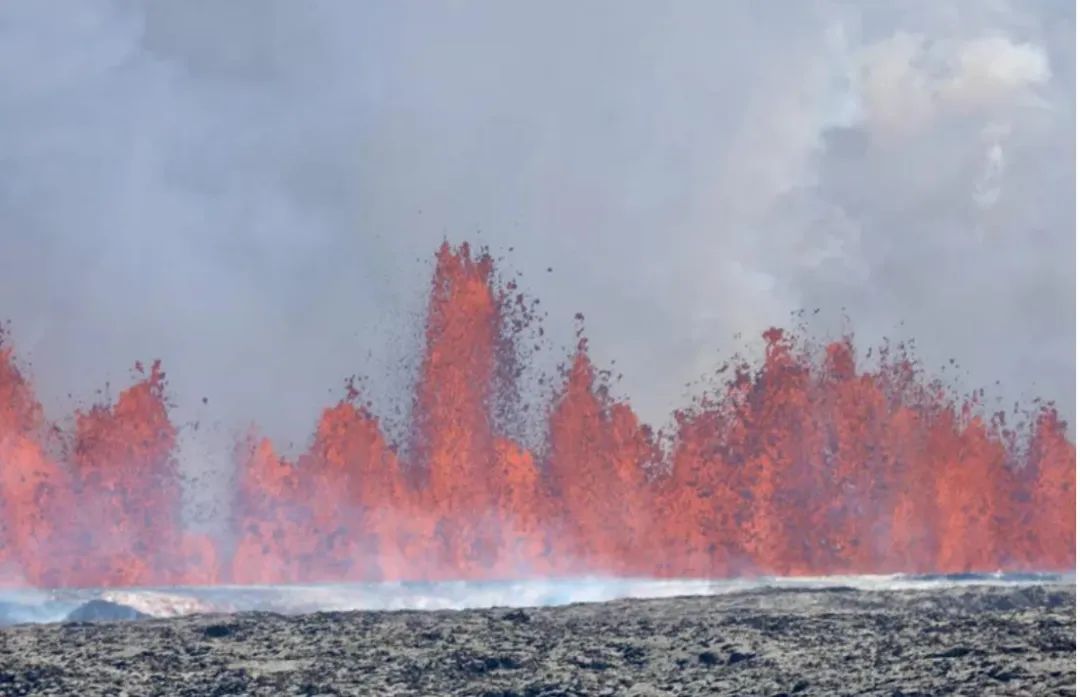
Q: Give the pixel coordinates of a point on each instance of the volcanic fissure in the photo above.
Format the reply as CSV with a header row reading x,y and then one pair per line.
x,y
805,464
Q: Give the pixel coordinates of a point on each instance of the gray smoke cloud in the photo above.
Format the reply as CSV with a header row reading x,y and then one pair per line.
x,y
252,190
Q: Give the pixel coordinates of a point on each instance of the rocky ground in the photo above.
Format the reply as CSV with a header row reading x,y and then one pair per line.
x,y
961,640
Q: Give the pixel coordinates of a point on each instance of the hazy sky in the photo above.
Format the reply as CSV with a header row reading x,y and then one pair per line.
x,y
252,190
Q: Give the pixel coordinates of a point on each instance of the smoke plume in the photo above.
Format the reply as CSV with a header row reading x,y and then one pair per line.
x,y
250,192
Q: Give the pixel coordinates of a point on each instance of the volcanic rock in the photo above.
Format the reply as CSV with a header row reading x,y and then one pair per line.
x,y
971,640
104,611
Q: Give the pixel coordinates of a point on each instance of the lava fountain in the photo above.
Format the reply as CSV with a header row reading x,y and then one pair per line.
x,y
803,465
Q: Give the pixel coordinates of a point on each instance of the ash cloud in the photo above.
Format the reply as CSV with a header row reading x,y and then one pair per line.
x,y
252,191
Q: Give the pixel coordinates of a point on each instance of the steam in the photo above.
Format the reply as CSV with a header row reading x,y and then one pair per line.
x,y
251,190
40,607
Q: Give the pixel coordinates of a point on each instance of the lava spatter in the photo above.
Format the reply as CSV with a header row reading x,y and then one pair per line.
x,y
807,464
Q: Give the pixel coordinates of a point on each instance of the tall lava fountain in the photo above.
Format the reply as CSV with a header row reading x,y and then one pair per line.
x,y
804,465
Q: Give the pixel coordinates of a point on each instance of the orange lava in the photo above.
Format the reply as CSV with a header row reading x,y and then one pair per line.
x,y
805,465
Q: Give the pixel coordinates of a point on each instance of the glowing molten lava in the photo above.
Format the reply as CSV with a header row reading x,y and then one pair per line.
x,y
803,466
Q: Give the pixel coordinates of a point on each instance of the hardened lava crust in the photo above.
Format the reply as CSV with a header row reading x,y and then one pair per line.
x,y
971,640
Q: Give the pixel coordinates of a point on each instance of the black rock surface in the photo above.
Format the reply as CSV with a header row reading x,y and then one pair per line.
x,y
104,611
973,640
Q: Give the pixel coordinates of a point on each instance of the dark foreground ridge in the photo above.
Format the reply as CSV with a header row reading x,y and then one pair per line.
x,y
973,640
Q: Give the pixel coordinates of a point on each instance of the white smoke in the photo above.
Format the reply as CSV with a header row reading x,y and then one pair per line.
x,y
37,606
252,190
